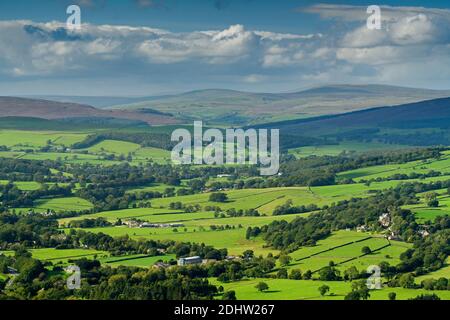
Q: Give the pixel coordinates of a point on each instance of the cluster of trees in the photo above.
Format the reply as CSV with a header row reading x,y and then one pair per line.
x,y
289,208
12,196
35,281
404,176
218,197
187,208
23,170
214,227
242,213
105,283
89,223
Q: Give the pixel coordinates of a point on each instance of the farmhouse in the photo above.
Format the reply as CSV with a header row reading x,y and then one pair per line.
x,y
385,220
161,225
189,260
362,228
132,224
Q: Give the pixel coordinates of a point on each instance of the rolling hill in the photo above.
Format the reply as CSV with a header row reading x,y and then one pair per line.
x,y
230,107
420,123
243,108
45,109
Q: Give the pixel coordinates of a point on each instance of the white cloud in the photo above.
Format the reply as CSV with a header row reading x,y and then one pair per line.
x,y
359,13
409,39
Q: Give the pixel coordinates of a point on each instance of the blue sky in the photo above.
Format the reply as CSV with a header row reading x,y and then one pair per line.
x,y
169,46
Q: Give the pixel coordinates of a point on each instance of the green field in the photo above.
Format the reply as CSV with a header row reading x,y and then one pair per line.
x,y
63,204
342,246
334,150
425,213
441,273
285,289
21,141
196,228
155,187
35,139
57,256
383,171
139,154
141,261
153,154
113,146
24,185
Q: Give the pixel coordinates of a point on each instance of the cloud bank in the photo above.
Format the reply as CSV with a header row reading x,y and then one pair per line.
x,y
412,48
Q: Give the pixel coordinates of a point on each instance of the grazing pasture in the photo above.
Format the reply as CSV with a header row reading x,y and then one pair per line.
x,y
441,273
344,248
334,150
37,139
285,289
24,185
114,146
63,204
139,260
384,171
57,256
425,213
197,228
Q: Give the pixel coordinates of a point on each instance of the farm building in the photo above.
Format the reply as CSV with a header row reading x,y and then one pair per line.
x,y
189,260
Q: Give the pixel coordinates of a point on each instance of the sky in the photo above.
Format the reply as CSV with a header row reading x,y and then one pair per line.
x,y
153,47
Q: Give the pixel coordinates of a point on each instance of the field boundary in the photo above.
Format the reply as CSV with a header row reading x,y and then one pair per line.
x,y
333,248
358,257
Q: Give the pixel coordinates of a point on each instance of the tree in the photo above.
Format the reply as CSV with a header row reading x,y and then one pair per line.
x,y
324,289
295,274
307,275
329,274
366,250
392,296
430,196
229,295
218,197
354,295
427,297
433,203
351,273
285,259
406,281
359,291
262,286
282,273
248,254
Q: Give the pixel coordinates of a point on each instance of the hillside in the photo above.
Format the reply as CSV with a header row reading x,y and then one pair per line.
x,y
236,107
420,123
45,109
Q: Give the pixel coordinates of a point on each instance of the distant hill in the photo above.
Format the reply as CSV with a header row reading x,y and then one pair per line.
x,y
45,109
230,107
95,101
242,108
419,123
